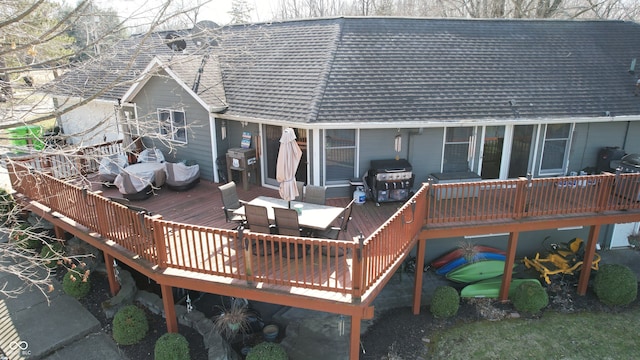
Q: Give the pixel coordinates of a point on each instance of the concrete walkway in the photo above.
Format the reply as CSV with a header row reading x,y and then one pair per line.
x,y
32,327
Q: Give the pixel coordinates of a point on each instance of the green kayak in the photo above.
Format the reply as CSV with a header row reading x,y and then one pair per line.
x,y
476,271
490,288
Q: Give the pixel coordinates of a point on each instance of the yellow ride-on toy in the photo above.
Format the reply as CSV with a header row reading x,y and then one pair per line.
x,y
561,259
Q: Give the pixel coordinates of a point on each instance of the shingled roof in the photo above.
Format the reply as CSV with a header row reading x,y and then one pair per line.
x,y
404,70
354,70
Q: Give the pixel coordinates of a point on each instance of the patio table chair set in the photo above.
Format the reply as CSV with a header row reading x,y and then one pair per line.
x,y
275,216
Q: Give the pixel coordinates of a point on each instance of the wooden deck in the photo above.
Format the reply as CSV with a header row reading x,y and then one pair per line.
x,y
188,243
202,206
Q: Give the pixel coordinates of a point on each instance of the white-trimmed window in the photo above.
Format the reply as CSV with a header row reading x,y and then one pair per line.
x,y
457,149
340,154
556,149
173,124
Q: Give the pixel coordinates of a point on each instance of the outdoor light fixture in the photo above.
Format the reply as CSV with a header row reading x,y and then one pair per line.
x,y
223,129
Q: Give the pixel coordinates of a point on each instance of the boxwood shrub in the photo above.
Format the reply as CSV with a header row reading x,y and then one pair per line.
x,y
171,346
530,297
76,284
445,302
130,325
615,284
267,351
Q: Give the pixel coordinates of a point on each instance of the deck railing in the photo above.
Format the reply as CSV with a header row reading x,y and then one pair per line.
x,y
352,267
496,200
283,260
72,162
393,240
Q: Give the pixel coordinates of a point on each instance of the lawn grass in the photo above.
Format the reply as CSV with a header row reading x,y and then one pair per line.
x,y
553,336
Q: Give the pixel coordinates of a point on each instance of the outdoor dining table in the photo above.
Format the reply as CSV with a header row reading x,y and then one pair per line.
x,y
312,216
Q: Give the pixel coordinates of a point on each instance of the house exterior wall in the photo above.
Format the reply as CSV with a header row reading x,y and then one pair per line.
x,y
165,93
90,124
589,138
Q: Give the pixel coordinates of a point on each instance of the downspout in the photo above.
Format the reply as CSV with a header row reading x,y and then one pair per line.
x,y
626,135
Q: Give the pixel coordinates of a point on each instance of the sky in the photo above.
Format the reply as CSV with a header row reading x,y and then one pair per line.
x,y
215,10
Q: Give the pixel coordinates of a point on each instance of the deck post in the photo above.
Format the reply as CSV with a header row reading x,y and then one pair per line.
x,y
114,285
158,238
508,265
59,232
358,269
354,343
169,308
589,252
246,246
417,285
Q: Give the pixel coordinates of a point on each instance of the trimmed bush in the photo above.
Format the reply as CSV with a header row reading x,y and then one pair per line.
x,y
171,346
7,205
50,253
267,351
130,325
76,283
445,302
615,284
24,237
530,297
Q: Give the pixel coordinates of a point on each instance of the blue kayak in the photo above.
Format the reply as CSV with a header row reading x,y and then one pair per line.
x,y
462,261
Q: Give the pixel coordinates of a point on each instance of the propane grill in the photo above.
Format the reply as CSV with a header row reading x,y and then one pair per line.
x,y
390,180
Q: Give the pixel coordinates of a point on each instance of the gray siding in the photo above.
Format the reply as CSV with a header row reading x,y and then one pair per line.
x,y
423,151
588,139
163,92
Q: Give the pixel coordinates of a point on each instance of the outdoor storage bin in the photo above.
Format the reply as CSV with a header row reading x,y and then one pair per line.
x,y
29,135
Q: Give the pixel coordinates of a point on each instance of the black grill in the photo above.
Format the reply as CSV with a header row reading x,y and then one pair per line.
x,y
390,180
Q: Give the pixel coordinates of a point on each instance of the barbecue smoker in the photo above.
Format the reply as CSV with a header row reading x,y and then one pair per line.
x,y
389,180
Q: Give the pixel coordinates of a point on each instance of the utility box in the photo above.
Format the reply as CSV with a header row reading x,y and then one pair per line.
x,y
244,161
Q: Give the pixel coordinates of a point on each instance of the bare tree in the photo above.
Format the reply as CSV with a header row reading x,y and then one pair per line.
x,y
38,42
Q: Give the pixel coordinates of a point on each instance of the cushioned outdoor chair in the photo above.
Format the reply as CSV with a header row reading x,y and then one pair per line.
x,y
181,177
110,166
231,202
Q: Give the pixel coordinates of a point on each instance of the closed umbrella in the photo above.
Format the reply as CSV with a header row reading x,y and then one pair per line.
x,y
288,159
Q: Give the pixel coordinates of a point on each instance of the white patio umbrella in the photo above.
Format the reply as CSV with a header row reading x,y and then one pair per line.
x,y
288,159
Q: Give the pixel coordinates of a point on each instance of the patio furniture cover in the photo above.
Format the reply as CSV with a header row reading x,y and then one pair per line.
x,y
151,155
110,166
288,159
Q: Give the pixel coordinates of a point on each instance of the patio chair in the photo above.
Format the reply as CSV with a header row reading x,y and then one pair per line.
x,y
181,177
287,224
151,155
110,167
231,202
315,194
257,220
335,231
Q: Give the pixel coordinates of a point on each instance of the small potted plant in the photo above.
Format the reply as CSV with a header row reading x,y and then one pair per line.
x,y
232,320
